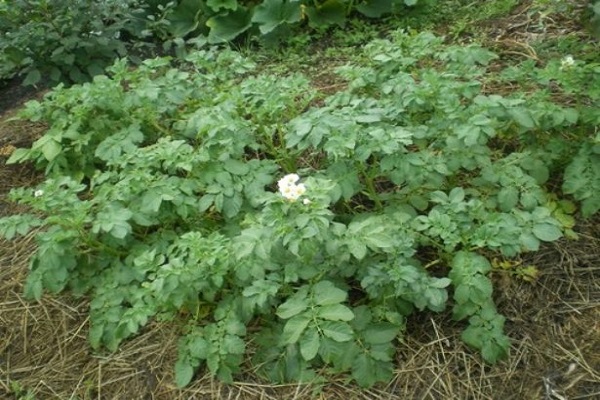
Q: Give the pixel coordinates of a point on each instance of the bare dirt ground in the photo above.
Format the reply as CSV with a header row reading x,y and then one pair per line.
x,y
554,323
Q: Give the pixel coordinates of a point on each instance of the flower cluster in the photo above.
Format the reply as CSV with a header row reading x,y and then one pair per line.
x,y
567,62
290,189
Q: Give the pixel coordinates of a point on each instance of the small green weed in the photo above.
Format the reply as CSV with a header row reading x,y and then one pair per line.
x,y
19,392
461,17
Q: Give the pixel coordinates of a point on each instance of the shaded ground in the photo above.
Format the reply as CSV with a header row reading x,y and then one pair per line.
x,y
13,94
554,322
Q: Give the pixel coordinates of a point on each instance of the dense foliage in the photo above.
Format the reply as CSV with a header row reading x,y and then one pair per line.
x,y
595,17
224,20
229,199
72,41
62,40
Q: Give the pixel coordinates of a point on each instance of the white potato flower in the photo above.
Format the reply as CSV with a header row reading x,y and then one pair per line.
x,y
567,62
288,180
289,189
300,189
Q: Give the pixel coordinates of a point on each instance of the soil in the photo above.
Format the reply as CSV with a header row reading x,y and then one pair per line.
x,y
554,323
13,94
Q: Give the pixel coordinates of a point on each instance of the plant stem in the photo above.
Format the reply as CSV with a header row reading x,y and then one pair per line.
x,y
370,183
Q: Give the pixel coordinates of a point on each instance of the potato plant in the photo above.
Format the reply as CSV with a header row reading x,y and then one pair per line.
x,y
293,234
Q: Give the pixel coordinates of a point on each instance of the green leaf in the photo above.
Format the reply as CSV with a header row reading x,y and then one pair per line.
x,y
338,331
436,299
113,220
33,286
538,170
309,344
481,289
362,371
335,312
226,27
293,328
495,349
151,201
76,75
473,336
225,374
233,344
522,117
382,352
18,155
462,293
205,202
440,283
51,149
184,373
293,306
272,13
19,224
340,354
213,361
33,77
368,371
232,205
328,13
120,230
508,198
346,178
362,317
374,8
216,5
95,335
95,69
467,263
529,242
198,347
358,249
380,240
462,311
185,17
419,202
325,293
571,114
236,167
546,232
590,206
381,332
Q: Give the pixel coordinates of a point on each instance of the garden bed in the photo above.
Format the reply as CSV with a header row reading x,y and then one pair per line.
x,y
552,318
